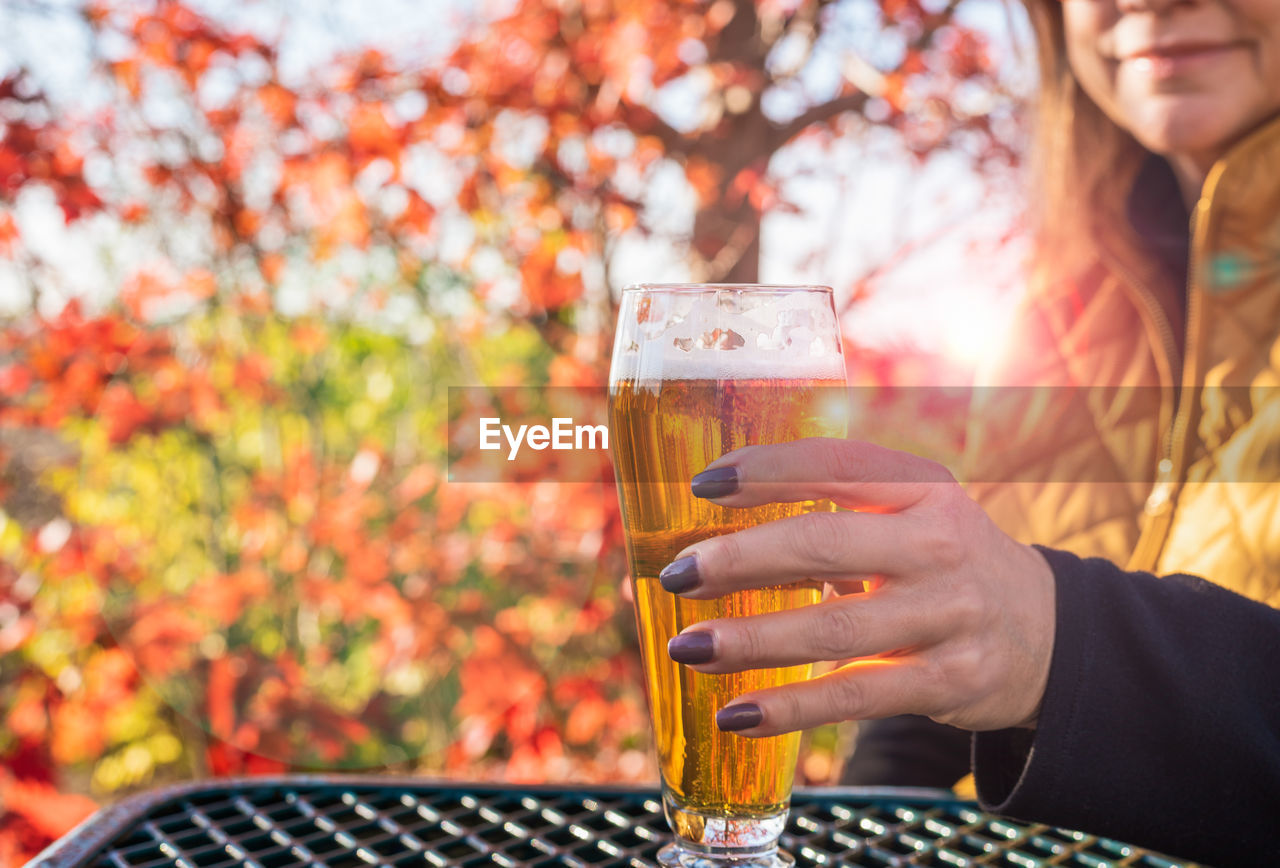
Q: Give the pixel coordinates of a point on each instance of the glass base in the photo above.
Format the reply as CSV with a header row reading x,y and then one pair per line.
x,y
676,856
711,841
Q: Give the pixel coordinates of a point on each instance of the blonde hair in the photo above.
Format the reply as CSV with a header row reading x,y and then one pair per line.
x,y
1082,161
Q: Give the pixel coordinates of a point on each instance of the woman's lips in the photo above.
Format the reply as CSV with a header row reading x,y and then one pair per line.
x,y
1168,61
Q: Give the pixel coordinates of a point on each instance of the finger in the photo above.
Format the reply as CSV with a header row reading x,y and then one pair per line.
x,y
819,545
852,473
839,629
863,690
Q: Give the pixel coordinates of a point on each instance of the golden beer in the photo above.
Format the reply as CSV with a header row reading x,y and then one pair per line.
x,y
664,433
700,370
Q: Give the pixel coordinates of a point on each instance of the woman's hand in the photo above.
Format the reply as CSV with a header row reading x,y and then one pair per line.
x,y
958,627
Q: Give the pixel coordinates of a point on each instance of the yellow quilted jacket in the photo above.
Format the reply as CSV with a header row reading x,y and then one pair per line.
x,y
1132,445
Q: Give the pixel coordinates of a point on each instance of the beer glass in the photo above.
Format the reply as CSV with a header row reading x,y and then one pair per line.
x,y
699,370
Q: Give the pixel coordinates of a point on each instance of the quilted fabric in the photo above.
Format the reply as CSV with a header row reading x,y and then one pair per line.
x,y
1101,436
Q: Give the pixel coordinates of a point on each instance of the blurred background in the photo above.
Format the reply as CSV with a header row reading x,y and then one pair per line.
x,y
246,248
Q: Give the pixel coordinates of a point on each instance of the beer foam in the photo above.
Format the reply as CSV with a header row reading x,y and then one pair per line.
x,y
730,334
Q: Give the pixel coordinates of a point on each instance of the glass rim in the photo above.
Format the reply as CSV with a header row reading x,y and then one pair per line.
x,y
777,288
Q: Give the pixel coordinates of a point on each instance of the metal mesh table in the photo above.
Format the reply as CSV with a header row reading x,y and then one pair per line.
x,y
357,822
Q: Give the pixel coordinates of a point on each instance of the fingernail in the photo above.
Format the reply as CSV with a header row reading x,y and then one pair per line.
x,y
694,648
680,575
738,717
717,482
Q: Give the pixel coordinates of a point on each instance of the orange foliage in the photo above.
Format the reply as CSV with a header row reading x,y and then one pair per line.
x,y
9,234
33,814
372,136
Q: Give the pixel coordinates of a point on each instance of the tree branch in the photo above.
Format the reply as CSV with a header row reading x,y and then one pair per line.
x,y
851,102
857,100
808,17
647,122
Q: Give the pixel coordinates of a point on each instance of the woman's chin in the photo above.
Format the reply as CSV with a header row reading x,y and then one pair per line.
x,y
1183,135
1196,127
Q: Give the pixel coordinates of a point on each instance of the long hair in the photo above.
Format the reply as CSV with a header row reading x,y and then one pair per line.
x,y
1082,161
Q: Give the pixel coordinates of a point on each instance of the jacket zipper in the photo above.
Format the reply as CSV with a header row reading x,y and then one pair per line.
x,y
1159,505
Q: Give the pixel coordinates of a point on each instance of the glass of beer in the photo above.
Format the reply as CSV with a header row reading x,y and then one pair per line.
x,y
699,370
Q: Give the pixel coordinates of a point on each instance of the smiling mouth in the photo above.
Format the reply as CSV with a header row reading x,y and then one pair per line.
x,y
1166,61
1181,50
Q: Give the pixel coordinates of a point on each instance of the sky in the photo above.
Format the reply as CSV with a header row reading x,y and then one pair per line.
x,y
950,296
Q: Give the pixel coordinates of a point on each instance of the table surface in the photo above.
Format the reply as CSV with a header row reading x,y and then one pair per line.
x,y
354,822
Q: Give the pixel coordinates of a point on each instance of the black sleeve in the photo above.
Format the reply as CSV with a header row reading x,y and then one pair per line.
x,y
908,750
1160,724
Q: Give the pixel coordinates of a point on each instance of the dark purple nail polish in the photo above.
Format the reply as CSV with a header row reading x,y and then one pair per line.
x,y
680,575
692,648
738,717
718,482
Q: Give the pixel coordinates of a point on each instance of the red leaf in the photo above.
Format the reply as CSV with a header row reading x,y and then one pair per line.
x,y
49,812
8,233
